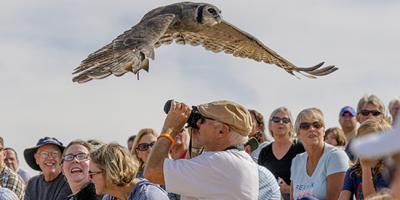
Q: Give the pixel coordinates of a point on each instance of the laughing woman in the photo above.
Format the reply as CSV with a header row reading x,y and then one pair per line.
x,y
113,172
318,172
75,166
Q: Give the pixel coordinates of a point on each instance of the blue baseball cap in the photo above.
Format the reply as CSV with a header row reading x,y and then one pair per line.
x,y
348,109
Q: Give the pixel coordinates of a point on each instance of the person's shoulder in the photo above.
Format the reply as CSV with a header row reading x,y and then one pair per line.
x,y
332,151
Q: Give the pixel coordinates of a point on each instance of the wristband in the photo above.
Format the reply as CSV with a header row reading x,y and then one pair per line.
x,y
168,136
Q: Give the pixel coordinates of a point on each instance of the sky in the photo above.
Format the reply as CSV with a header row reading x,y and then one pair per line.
x,y
43,41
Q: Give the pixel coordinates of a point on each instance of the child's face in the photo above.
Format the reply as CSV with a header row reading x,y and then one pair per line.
x,y
331,139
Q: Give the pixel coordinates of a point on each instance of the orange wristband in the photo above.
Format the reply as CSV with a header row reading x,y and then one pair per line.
x,y
168,136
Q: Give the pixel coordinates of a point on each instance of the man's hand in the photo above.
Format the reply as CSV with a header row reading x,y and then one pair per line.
x,y
176,118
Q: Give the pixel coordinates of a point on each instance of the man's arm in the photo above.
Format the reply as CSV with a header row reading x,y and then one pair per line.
x,y
174,122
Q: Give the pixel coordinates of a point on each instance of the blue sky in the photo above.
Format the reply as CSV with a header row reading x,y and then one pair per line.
x,y
42,41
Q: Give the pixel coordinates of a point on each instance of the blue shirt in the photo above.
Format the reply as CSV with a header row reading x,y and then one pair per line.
x,y
353,183
144,190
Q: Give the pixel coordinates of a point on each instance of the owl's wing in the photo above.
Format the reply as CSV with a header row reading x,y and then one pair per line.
x,y
226,37
128,52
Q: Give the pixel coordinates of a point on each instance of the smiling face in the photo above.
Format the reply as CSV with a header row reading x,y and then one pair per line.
x,y
48,157
143,153
77,169
11,160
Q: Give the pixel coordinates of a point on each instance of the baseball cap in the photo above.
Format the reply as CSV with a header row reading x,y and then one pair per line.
x,y
348,109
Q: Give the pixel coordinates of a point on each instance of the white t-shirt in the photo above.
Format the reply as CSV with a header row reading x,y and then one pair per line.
x,y
333,160
220,175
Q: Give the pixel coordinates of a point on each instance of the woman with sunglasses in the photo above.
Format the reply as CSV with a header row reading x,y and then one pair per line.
x,y
320,170
113,170
141,148
278,155
75,166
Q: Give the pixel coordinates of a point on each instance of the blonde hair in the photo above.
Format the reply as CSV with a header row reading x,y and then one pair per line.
x,y
281,110
368,127
116,162
338,134
306,113
142,132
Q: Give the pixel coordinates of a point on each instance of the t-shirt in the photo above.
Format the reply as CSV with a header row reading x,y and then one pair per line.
x,y
269,188
144,190
219,175
87,192
353,183
333,160
280,168
38,189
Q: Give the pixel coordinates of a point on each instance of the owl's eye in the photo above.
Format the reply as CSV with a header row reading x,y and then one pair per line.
x,y
212,11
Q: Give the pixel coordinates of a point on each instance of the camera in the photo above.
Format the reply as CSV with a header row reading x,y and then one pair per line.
x,y
193,117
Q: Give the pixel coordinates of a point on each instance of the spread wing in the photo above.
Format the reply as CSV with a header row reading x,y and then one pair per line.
x,y
231,40
128,52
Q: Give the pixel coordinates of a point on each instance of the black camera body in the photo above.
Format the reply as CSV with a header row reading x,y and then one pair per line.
x,y
193,117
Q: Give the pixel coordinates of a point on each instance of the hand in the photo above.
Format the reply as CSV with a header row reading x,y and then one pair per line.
x,y
368,164
284,187
176,118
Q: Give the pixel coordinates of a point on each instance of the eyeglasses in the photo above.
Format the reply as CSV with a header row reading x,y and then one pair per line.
x,y
367,112
307,125
284,120
144,146
46,154
79,157
91,174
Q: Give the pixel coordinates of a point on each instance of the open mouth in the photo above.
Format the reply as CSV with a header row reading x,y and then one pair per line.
x,y
76,170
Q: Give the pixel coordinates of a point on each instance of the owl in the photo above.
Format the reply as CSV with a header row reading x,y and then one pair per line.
x,y
185,23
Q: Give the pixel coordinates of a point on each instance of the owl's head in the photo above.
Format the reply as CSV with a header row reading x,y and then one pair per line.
x,y
208,14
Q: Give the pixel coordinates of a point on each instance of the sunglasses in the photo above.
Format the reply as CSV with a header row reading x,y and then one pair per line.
x,y
79,157
91,174
284,120
144,146
373,112
307,125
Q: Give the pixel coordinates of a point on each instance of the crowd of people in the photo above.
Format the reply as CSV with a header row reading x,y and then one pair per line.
x,y
217,150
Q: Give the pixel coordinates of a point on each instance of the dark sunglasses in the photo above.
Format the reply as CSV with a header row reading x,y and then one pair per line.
x,y
373,112
307,125
79,156
284,120
144,146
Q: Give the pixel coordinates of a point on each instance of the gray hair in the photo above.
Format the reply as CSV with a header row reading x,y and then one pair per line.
x,y
236,138
371,99
281,110
393,102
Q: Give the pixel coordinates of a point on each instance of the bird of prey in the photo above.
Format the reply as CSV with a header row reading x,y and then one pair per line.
x,y
185,23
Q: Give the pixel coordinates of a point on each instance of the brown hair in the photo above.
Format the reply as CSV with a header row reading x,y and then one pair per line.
x,y
78,142
371,99
338,134
117,163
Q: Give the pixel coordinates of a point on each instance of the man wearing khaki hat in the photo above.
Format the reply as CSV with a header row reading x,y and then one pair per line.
x,y
223,170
